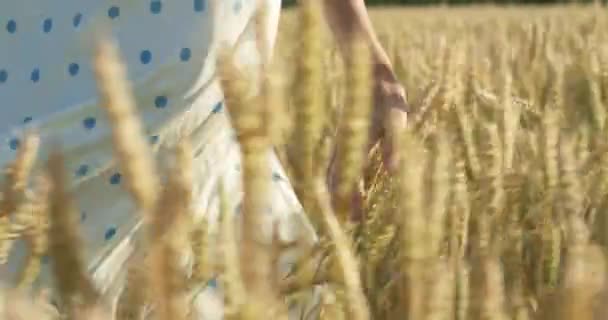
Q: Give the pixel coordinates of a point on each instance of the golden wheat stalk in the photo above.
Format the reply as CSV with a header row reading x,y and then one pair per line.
x,y
22,165
74,286
15,305
169,231
592,70
276,120
357,303
440,305
459,211
130,146
202,267
462,300
352,137
308,102
511,111
14,191
231,278
413,226
491,183
440,189
254,144
584,274
134,296
571,199
488,290
546,272
36,232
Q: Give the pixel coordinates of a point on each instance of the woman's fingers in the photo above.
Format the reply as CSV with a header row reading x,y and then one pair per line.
x,y
396,124
389,120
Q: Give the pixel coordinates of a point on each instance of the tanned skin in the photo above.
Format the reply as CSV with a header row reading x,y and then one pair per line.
x,y
349,20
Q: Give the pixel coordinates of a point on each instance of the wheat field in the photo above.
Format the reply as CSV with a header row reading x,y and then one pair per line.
x,y
498,210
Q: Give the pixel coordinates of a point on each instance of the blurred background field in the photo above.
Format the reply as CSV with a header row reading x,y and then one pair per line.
x,y
500,207
518,94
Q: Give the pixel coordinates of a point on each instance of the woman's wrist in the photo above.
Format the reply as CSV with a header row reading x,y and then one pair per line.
x,y
388,91
383,71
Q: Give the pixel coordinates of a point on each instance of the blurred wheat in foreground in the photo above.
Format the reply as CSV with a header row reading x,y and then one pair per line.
x,y
499,209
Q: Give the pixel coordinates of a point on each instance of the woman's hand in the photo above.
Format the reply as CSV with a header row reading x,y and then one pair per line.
x,y
349,20
389,115
388,120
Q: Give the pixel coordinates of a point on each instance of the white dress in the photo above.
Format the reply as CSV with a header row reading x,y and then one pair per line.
x,y
47,82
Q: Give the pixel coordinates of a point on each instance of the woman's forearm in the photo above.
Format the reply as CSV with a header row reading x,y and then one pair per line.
x,y
348,19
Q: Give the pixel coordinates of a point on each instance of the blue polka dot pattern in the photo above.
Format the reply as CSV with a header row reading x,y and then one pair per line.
x,y
82,171
199,5
156,7
110,233
145,56
14,144
11,26
115,178
185,54
73,69
218,107
276,177
114,12
89,123
237,6
35,76
161,102
76,20
47,25
153,139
